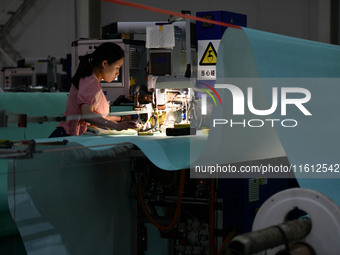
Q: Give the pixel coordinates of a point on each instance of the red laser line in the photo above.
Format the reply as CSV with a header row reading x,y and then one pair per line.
x,y
177,14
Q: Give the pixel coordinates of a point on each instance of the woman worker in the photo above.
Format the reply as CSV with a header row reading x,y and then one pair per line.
x,y
86,102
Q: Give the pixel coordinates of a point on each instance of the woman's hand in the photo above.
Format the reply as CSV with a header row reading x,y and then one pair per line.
x,y
121,125
109,122
119,118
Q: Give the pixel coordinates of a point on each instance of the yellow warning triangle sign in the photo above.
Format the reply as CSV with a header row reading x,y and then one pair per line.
x,y
210,56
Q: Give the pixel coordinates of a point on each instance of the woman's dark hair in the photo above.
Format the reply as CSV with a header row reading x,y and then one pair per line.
x,y
107,51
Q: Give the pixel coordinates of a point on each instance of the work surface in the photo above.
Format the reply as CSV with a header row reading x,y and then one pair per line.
x,y
166,152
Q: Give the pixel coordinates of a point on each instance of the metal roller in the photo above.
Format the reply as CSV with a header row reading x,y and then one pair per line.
x,y
271,237
274,234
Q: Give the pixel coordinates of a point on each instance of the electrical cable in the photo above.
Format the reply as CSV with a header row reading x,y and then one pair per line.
x,y
193,109
226,241
178,207
153,126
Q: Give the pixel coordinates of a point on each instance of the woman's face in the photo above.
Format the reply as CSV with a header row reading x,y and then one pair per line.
x,y
111,71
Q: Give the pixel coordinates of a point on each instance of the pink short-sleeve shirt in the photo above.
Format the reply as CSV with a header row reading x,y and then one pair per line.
x,y
89,92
